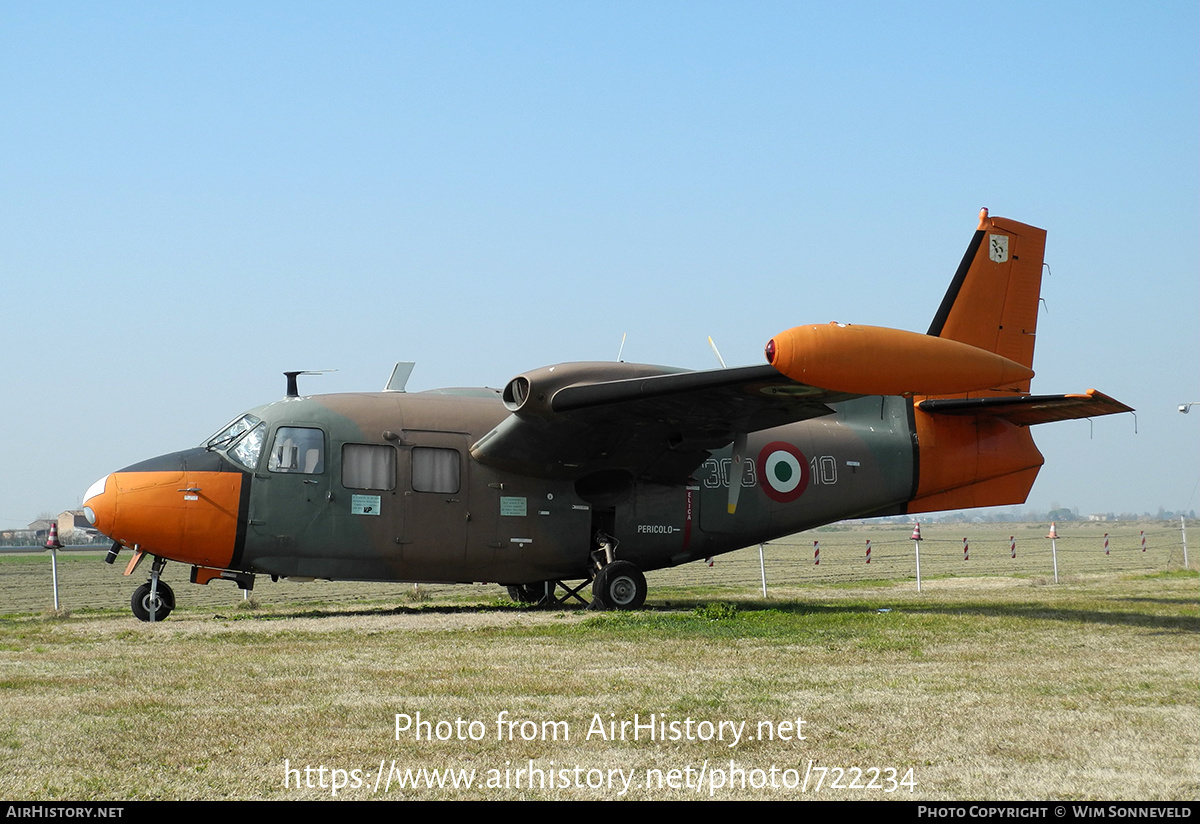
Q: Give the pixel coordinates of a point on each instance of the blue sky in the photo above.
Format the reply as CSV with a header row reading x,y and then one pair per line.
x,y
196,197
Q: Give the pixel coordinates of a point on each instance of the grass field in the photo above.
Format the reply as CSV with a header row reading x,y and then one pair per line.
x,y
992,683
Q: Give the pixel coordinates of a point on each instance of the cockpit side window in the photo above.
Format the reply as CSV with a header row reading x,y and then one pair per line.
x,y
241,441
249,448
298,449
232,431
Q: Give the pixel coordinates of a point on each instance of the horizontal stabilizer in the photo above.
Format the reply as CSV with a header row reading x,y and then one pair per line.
x,y
1027,410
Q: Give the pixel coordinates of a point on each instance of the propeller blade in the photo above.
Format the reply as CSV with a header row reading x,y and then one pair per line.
x,y
737,471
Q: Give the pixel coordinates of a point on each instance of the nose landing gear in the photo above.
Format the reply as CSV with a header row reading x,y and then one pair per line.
x,y
152,606
153,600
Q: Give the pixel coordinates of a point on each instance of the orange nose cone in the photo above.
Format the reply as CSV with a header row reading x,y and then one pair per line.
x,y
99,504
185,516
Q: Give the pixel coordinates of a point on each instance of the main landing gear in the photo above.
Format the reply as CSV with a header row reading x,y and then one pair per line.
x,y
619,585
616,584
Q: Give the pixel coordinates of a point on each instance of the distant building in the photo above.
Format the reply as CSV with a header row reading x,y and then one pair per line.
x,y
40,529
72,519
72,528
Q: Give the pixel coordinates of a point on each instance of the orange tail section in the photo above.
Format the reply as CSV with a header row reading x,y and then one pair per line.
x,y
992,302
975,449
972,458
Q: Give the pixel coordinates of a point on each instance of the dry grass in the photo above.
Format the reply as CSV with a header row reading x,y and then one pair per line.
x,y
999,688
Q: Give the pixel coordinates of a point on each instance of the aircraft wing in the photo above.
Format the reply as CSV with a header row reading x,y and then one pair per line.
x,y
574,420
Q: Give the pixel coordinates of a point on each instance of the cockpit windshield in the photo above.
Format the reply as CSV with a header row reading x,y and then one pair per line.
x,y
241,440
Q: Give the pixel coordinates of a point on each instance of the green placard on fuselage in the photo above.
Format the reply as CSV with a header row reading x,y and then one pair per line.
x,y
364,504
512,506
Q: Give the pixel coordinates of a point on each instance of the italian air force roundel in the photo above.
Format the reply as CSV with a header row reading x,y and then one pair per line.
x,y
784,471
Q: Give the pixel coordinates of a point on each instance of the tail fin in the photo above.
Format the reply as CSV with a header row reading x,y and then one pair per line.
x,y
976,449
992,303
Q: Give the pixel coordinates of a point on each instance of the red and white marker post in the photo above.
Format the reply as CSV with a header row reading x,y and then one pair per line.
x,y
762,568
916,539
54,545
1053,536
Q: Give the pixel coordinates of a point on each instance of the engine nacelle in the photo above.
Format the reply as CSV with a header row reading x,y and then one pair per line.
x,y
531,394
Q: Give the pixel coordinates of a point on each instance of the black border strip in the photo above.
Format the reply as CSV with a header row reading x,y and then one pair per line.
x,y
943,312
243,522
916,453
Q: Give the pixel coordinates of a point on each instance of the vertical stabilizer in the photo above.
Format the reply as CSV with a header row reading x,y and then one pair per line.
x,y
992,303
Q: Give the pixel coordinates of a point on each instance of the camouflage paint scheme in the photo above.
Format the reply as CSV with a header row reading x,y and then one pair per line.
x,y
579,470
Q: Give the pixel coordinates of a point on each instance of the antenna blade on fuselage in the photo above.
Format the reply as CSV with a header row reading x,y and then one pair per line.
x,y
399,378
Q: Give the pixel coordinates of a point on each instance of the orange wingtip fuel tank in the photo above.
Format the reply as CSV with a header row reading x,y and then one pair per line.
x,y
872,360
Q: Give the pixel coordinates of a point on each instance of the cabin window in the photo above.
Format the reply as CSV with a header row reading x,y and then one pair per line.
x,y
435,470
298,449
368,466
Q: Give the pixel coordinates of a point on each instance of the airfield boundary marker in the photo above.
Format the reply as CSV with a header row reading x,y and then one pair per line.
x,y
86,583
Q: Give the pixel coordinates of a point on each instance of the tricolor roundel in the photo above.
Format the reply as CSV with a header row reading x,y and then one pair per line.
x,y
784,471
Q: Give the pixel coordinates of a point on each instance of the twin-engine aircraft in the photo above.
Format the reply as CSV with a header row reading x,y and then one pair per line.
x,y
599,472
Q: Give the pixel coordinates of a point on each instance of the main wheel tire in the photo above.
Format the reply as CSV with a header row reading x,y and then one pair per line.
x,y
142,607
620,585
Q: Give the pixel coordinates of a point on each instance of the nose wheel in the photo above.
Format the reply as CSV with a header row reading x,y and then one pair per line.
x,y
153,600
148,606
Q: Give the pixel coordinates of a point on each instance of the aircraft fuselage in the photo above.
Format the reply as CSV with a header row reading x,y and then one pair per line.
x,y
383,487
